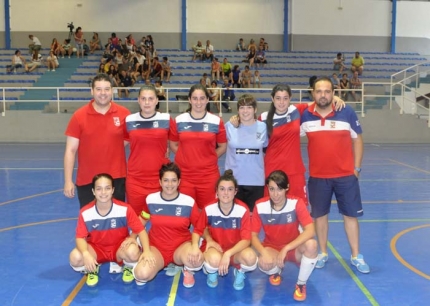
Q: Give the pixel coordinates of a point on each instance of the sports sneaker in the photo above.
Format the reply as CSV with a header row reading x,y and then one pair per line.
x,y
212,279
188,281
93,278
322,259
275,279
139,283
53,70
172,269
114,268
361,265
239,280
300,293
127,275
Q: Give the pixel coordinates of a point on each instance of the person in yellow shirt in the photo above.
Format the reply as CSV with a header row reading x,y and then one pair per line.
x,y
357,63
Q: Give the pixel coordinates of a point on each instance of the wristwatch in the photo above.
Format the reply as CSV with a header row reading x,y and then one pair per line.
x,y
358,169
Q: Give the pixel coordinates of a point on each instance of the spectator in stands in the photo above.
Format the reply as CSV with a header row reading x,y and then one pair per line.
x,y
115,41
113,76
312,80
95,43
138,60
17,62
55,46
198,51
209,51
264,44
156,68
260,56
35,45
338,63
226,69
117,57
79,42
252,45
207,79
344,84
146,70
126,65
52,61
101,68
215,69
256,80
149,42
228,94
357,63
36,61
161,93
66,47
235,76
355,83
240,45
151,53
86,48
250,58
166,69
126,81
108,63
130,40
246,77
336,83
215,94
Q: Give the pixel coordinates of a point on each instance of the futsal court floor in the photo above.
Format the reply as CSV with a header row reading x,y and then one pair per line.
x,y
37,226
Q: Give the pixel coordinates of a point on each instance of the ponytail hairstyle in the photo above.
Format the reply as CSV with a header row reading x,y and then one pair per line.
x,y
272,109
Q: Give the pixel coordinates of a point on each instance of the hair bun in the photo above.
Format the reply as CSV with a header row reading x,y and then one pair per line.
x,y
228,172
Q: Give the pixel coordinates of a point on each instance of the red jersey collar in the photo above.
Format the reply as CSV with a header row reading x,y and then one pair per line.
x,y
312,110
113,108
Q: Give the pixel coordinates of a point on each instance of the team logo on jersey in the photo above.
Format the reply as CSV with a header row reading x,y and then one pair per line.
x,y
233,223
155,124
178,211
116,121
289,218
205,127
333,124
258,135
357,123
288,118
113,223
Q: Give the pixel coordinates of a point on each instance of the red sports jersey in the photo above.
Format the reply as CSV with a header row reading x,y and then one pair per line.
x,y
197,142
280,227
170,220
283,152
148,139
110,230
226,230
101,141
330,141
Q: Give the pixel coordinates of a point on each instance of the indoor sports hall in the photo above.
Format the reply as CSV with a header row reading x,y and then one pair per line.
x,y
38,223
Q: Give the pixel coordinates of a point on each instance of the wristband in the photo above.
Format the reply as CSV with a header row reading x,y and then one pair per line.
x,y
358,169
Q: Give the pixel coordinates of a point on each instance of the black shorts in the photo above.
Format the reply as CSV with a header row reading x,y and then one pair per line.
x,y
85,192
250,194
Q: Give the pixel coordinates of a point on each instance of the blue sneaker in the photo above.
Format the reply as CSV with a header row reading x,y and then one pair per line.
x,y
322,259
239,280
360,264
212,279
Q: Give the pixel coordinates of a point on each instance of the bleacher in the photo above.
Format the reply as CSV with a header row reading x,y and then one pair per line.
x,y
293,68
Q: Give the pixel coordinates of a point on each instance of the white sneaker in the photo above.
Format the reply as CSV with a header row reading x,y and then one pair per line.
x,y
53,70
114,268
172,269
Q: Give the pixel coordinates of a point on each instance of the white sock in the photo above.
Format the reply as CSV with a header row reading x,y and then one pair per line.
x,y
272,271
307,265
79,269
140,281
130,264
209,268
245,269
193,269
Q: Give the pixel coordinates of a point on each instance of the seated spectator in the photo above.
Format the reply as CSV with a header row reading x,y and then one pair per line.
x,y
235,76
355,83
129,42
357,63
225,69
113,76
101,68
95,43
344,84
149,42
55,46
35,45
52,61
252,45
228,94
250,58
36,61
240,45
156,68
264,44
115,41
256,80
66,47
125,81
86,48
260,56
336,83
215,69
206,79
338,63
146,70
198,51
138,60
126,65
215,94
209,51
108,63
166,69
161,94
246,77
151,52
117,57
17,62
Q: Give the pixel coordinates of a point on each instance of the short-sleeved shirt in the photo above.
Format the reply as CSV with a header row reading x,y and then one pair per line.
x,y
357,62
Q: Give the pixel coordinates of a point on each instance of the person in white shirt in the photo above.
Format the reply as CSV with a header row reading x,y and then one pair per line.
x,y
17,62
35,45
209,51
52,61
36,61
